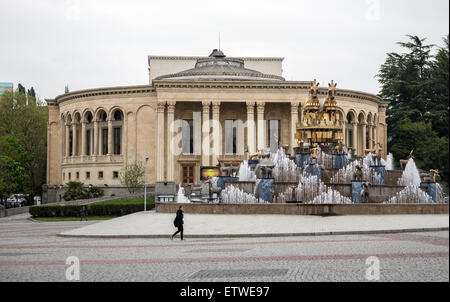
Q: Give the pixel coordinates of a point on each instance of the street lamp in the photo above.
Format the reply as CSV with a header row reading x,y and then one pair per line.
x,y
145,184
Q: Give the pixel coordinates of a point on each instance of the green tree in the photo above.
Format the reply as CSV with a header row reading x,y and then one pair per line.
x,y
132,177
26,121
13,164
416,85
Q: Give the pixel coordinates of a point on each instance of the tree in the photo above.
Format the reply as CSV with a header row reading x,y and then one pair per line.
x,y
66,89
27,123
13,164
416,85
132,177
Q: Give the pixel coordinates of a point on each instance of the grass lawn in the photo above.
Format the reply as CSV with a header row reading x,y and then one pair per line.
x,y
51,219
150,200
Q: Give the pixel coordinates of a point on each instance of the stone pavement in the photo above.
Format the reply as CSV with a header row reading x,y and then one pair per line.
x,y
156,225
30,251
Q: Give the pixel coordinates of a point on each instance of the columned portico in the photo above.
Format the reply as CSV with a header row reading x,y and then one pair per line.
x,y
294,120
355,135
160,141
83,138
67,152
74,139
96,152
206,128
110,136
216,132
363,143
170,131
261,125
251,129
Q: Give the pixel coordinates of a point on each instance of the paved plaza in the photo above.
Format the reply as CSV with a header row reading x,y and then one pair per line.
x,y
31,251
154,225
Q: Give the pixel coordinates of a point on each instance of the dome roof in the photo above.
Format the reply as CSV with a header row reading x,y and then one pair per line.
x,y
219,68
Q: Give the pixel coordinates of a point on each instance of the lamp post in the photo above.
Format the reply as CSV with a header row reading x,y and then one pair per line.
x,y
145,184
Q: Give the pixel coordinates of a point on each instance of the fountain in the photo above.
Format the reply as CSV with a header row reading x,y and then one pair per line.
x,y
390,162
410,176
181,198
268,178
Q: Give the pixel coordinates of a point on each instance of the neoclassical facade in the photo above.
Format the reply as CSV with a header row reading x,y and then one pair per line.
x,y
195,111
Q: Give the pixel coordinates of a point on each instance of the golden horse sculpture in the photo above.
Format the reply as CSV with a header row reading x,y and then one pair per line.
x,y
376,152
403,162
253,156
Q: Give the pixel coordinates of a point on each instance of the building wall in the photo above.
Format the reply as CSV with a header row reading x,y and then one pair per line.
x,y
139,126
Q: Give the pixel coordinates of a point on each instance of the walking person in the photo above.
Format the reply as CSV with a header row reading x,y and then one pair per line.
x,y
83,213
178,222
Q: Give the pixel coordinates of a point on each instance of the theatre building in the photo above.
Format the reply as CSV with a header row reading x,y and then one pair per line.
x,y
195,111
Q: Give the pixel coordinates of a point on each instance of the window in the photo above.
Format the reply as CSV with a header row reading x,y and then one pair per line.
x,y
88,142
70,143
117,139
350,138
115,174
187,133
88,175
64,176
104,141
274,135
78,175
230,137
187,175
100,174
118,115
70,175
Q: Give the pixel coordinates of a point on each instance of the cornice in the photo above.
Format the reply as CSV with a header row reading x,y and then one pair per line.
x,y
200,57
120,90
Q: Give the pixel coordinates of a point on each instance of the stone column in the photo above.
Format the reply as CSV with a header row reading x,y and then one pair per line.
x,y
110,137
375,133
363,138
294,121
83,138
371,136
170,153
96,152
206,144
217,145
74,139
67,141
261,125
251,128
160,141
355,135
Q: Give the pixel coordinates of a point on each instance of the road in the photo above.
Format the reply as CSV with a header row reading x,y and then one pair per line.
x,y
31,251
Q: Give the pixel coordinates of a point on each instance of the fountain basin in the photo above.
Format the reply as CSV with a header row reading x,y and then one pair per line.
x,y
306,209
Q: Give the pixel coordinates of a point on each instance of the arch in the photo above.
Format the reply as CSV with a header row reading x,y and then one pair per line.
x,y
361,117
77,116
351,116
114,111
117,114
87,116
101,115
68,118
369,118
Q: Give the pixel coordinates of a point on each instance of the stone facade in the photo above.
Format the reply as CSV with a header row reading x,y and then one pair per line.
x,y
93,134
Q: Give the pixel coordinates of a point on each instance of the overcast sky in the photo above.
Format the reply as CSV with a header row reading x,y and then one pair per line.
x,y
87,44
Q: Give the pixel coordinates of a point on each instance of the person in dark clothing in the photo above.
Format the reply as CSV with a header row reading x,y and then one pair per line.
x,y
83,213
178,222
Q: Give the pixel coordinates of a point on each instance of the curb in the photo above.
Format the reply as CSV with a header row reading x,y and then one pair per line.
x,y
264,235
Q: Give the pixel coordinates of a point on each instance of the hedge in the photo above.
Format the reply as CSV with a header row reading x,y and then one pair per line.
x,y
92,210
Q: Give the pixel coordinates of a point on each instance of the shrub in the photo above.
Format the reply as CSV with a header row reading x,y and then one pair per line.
x,y
75,191
114,208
